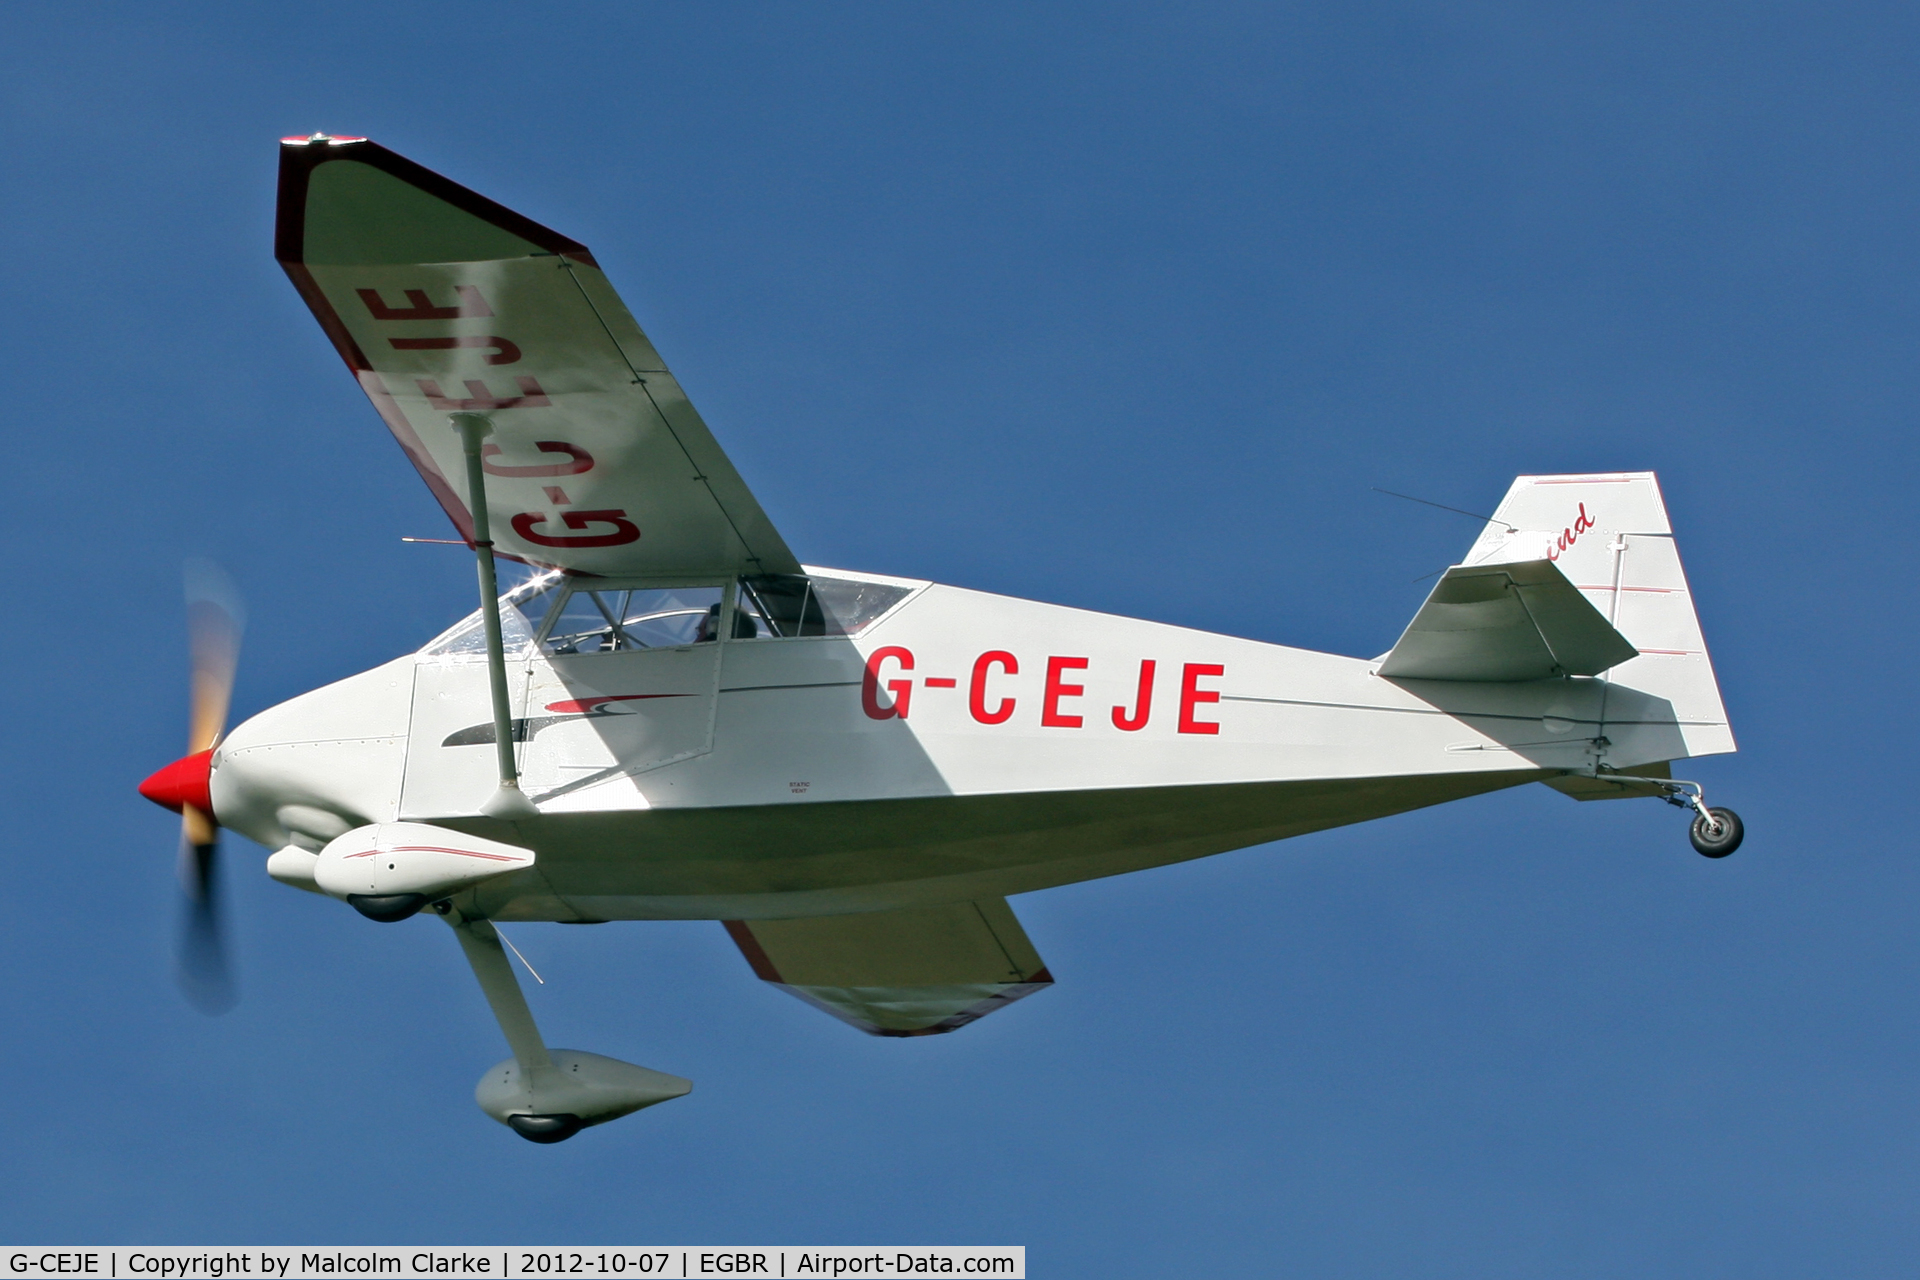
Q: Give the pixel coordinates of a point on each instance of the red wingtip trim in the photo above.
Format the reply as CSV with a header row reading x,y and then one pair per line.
x,y
187,781
757,959
297,163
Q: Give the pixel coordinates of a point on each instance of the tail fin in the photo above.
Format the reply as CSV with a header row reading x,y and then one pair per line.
x,y
1610,536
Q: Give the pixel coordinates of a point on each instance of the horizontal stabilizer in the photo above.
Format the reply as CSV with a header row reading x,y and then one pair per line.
x,y
916,972
1496,622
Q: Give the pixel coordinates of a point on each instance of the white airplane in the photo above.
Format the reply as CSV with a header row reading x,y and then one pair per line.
x,y
672,718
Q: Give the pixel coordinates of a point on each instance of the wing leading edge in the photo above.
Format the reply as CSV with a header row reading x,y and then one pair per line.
x,y
442,301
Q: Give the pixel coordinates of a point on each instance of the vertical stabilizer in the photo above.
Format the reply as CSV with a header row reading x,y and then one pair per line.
x,y
1610,536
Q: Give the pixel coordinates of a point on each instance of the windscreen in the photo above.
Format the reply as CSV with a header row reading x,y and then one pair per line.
x,y
522,609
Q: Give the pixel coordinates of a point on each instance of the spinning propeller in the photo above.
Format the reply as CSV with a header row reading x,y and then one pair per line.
x,y
214,623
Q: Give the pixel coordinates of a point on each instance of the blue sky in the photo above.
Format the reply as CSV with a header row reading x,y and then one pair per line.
x,y
1122,306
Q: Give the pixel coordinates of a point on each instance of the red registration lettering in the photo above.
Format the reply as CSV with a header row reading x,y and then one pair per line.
x,y
977,691
500,350
1142,702
420,307
1192,696
624,530
481,400
579,460
1050,715
902,690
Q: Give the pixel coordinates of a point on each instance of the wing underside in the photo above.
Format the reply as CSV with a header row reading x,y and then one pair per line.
x,y
442,301
916,972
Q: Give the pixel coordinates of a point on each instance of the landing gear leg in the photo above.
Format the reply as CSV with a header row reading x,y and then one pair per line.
x,y
530,1061
548,1095
1715,832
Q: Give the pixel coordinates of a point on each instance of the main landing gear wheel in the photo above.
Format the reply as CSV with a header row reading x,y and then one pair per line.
x,y
545,1129
1716,833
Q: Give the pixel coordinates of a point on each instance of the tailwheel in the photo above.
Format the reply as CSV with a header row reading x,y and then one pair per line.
x,y
1716,833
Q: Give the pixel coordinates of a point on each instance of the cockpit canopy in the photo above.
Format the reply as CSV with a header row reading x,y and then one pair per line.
x,y
558,614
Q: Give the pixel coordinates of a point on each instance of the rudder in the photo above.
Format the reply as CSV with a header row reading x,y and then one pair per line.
x,y
1609,534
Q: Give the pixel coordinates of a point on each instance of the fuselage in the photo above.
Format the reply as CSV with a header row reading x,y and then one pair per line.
x,y
957,745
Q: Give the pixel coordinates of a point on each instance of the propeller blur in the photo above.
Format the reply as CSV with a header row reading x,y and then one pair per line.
x,y
215,621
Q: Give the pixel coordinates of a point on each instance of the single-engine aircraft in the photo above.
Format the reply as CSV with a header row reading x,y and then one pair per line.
x,y
673,718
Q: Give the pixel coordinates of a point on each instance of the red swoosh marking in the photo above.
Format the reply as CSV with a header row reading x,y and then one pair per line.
x,y
579,706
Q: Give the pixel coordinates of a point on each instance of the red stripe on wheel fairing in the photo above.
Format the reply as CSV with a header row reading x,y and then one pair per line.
x,y
434,848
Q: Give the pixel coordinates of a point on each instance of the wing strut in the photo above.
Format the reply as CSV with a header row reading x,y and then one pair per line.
x,y
509,801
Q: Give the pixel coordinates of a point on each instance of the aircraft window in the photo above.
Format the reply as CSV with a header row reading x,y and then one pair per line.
x,y
608,621
522,609
854,603
784,605
619,621
792,605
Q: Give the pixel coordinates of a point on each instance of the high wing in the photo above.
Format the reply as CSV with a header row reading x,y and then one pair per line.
x,y
443,302
916,972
